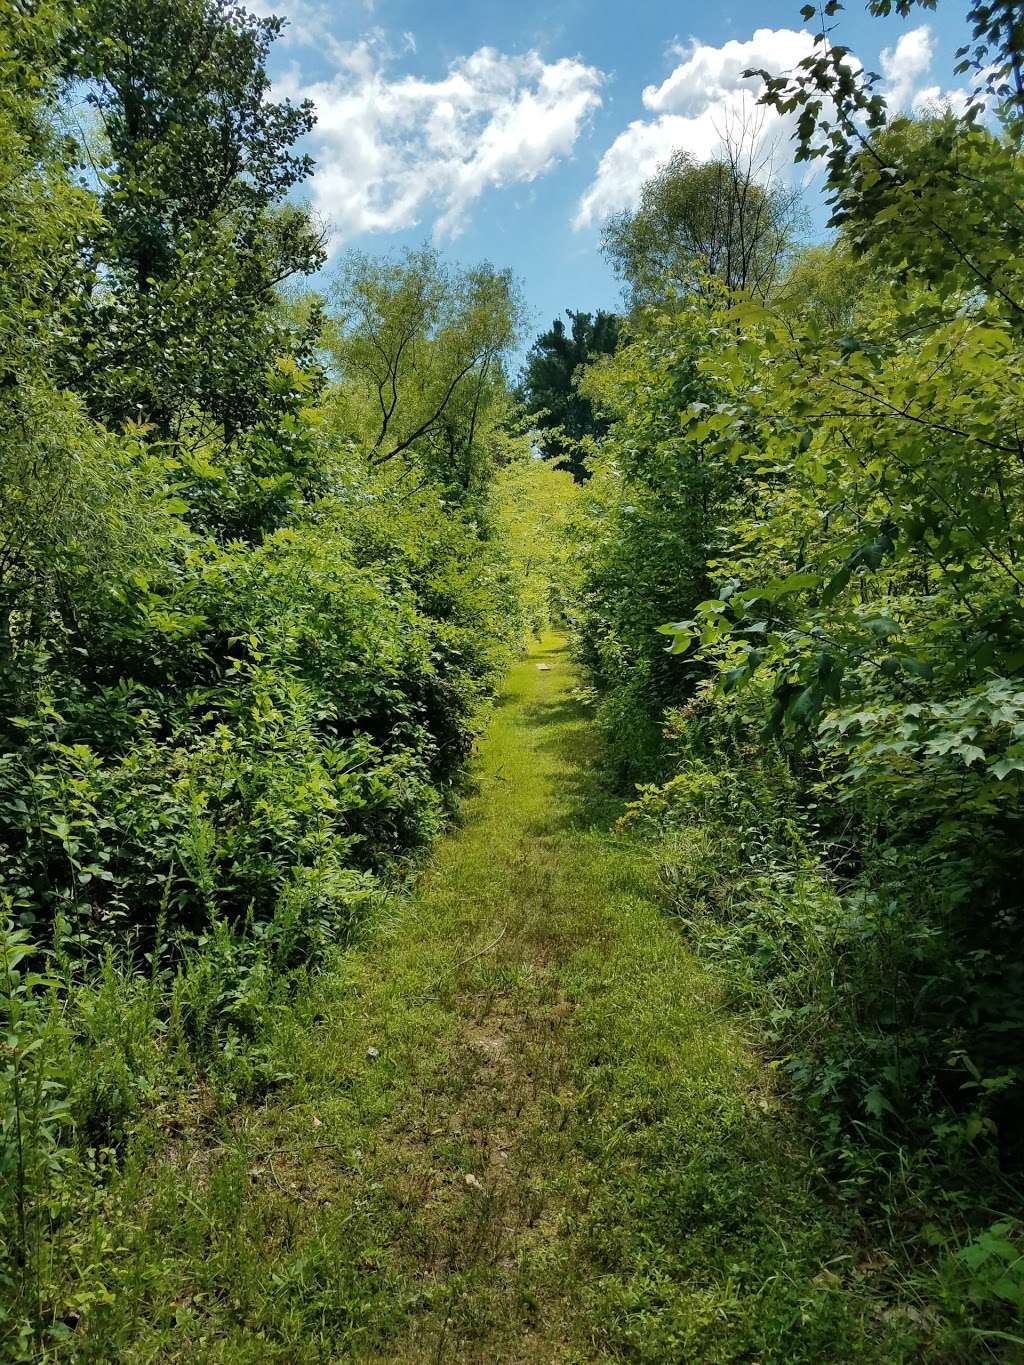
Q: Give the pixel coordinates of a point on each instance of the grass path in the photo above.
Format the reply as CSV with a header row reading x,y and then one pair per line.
x,y
517,1129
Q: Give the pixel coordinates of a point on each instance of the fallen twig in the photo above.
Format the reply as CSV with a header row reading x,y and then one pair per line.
x,y
473,956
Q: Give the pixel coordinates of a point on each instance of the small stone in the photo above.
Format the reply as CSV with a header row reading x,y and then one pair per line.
x,y
472,1182
372,1052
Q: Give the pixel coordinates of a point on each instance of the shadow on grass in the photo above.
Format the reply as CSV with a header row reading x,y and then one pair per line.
x,y
566,729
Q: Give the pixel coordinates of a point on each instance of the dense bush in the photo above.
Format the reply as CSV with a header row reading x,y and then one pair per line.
x,y
849,945
798,592
203,802
645,528
240,713
244,640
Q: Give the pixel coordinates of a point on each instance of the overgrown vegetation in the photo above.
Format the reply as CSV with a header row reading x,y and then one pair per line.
x,y
509,1122
813,492
266,554
251,599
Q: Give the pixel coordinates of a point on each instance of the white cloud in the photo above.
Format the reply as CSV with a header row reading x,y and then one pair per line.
x,y
904,65
702,100
706,96
390,149
932,99
712,74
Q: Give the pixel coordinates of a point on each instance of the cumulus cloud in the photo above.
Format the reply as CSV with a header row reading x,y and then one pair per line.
x,y
904,65
704,98
391,149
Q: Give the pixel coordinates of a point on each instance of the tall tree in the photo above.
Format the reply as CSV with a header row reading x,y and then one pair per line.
x,y
549,387
420,351
192,175
725,217
43,214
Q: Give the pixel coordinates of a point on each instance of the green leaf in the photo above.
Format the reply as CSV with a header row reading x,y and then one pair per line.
x,y
876,1103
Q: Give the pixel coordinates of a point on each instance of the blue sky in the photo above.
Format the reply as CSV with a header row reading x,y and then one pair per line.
x,y
509,131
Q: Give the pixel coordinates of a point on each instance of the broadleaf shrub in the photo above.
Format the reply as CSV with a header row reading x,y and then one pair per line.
x,y
796,588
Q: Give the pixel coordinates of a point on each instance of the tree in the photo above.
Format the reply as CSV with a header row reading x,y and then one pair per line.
x,y
420,354
74,501
726,217
549,386
534,503
42,213
649,523
933,199
824,282
179,321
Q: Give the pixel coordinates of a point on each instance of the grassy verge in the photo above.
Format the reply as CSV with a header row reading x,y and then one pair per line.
x,y
512,1123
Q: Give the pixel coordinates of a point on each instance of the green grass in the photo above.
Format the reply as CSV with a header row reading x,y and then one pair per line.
x,y
513,1124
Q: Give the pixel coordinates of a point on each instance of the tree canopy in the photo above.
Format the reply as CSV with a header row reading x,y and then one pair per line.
x,y
420,351
191,167
725,218
561,413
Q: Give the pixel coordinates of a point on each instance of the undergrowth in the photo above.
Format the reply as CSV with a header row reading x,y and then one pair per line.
x,y
510,1121
884,1015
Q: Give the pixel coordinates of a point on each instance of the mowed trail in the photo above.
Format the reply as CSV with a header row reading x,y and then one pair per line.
x,y
519,1126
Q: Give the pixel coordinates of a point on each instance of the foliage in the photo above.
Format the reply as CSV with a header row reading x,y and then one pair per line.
x,y
533,506
561,413
244,646
35,1111
726,219
853,959
175,324
267,1210
42,212
828,482
419,351
264,558
647,525
935,201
